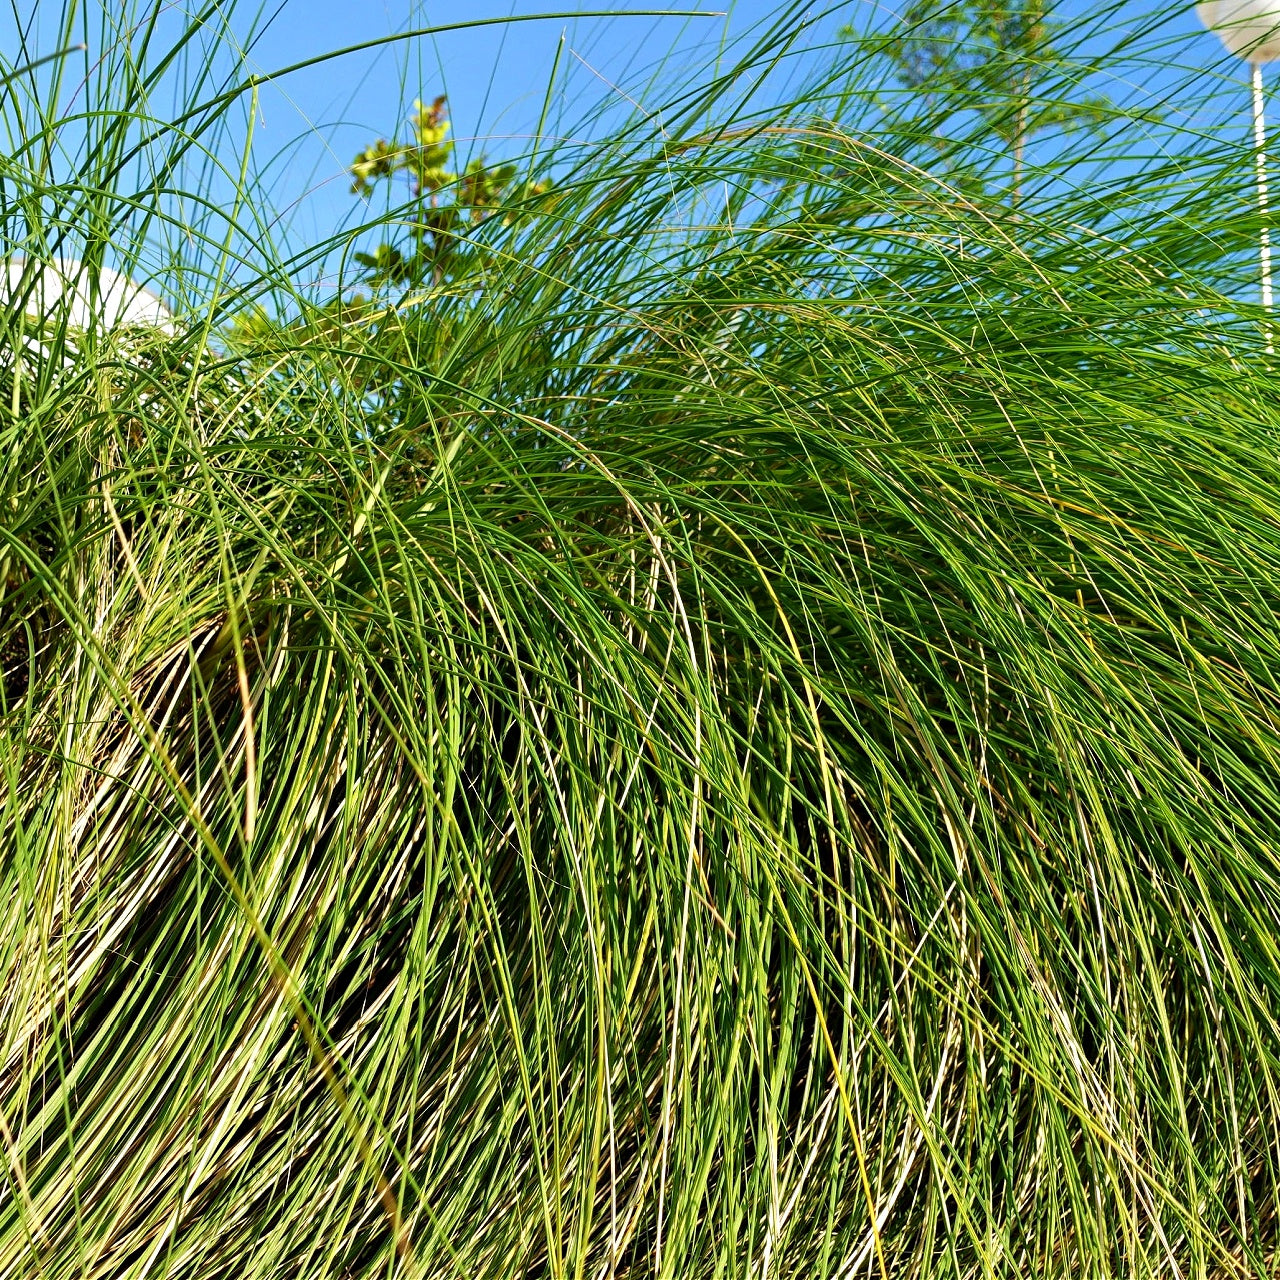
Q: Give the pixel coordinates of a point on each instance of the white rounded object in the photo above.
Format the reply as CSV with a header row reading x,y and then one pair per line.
x,y
64,283
1249,28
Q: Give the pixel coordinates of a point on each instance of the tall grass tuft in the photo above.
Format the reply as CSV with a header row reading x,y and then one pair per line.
x,y
743,740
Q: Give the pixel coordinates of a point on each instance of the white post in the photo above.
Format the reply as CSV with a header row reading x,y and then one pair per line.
x,y
1260,160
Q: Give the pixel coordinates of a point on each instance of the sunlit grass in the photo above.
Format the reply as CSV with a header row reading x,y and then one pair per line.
x,y
745,745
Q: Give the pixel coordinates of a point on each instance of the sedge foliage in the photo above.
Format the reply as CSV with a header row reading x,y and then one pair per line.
x,y
740,740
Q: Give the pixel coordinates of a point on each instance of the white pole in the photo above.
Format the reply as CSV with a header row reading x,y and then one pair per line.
x,y
1260,160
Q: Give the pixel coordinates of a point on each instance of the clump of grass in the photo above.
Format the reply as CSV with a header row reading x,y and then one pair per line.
x,y
744,745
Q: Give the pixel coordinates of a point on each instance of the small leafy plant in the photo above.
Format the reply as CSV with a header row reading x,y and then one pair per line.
x,y
446,205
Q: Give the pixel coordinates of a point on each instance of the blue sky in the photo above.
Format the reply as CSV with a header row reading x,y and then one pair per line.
x,y
496,77
311,123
